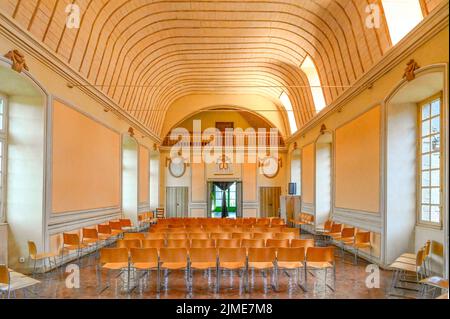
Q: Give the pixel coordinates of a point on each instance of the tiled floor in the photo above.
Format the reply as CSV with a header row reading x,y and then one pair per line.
x,y
350,283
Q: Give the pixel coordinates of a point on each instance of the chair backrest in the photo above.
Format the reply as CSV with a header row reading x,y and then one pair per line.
x,y
427,248
113,255
134,236
259,229
261,254
228,243
241,235
153,243
104,229
277,222
203,255
328,224
173,255
220,235
348,232
302,243
232,255
437,249
4,275
32,250
291,254
320,254
203,243
362,238
177,243
115,225
198,235
263,222
157,235
278,243
253,243
420,257
71,239
284,236
144,255
177,236
90,233
194,230
176,230
336,228
291,230
129,243
264,236
125,222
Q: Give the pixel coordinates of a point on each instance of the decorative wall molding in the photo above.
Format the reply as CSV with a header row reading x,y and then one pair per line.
x,y
23,40
308,208
360,219
423,32
80,219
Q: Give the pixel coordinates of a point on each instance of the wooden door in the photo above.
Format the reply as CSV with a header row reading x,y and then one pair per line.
x,y
177,201
269,201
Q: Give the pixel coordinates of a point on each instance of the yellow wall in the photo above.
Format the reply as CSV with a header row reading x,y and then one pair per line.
x,y
85,162
358,162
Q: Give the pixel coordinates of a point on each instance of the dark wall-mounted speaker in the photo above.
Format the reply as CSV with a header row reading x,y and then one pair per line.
x,y
292,188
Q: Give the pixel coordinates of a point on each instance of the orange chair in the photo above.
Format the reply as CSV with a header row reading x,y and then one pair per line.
x,y
140,236
203,243
174,259
241,236
253,243
178,243
126,224
302,243
228,243
71,242
291,259
335,231
321,258
263,236
198,236
129,243
177,236
220,236
232,259
262,259
202,259
361,241
5,281
116,228
278,243
112,259
284,235
153,243
145,260
37,257
155,236
105,233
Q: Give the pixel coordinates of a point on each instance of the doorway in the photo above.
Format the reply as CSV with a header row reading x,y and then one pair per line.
x,y
177,200
269,201
323,178
231,193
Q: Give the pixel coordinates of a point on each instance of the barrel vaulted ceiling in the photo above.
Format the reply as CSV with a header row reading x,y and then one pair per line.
x,y
145,54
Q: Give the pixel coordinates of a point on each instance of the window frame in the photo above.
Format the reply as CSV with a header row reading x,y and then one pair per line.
x,y
419,220
4,140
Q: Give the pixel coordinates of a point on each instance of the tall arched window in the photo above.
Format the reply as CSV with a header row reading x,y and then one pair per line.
x,y
3,138
401,17
309,68
284,98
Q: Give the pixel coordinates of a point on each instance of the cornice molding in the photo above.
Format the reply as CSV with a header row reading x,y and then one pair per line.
x,y
423,32
27,44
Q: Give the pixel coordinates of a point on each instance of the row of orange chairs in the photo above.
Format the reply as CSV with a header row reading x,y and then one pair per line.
x,y
217,229
214,235
215,243
240,259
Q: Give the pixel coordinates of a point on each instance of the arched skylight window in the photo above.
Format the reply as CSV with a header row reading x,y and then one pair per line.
x,y
310,70
401,16
284,98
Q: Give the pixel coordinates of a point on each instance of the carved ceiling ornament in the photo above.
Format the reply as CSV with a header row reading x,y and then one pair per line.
x,y
18,61
411,66
131,131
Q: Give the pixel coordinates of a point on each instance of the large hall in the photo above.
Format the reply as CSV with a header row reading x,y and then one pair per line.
x,y
224,149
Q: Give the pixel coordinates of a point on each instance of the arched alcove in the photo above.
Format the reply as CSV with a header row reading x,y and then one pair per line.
x,y
130,178
403,224
24,165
